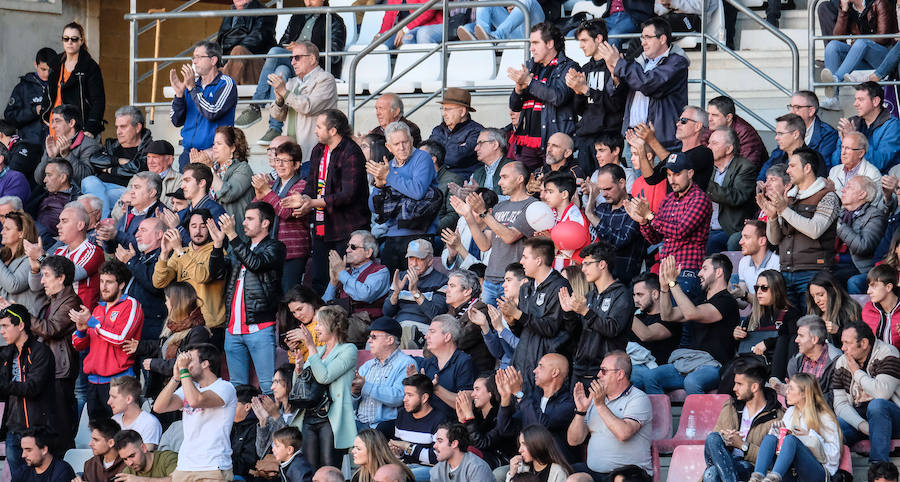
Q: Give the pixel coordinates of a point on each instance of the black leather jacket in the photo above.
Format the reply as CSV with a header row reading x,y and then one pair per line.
x,y
109,155
262,281
257,34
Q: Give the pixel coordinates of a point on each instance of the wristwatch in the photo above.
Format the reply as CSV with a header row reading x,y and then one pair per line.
x,y
417,295
519,395
41,258
649,217
672,284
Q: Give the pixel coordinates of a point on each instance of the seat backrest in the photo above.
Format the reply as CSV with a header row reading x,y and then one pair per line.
x,y
363,356
429,69
662,417
511,57
349,19
371,24
471,65
706,408
687,463
574,52
77,457
846,462
735,257
861,299
281,25
374,67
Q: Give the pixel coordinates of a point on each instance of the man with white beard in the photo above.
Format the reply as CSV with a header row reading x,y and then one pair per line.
x,y
149,236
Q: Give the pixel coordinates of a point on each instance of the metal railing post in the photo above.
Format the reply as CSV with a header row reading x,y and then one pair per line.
x,y
133,53
811,35
328,43
703,35
445,26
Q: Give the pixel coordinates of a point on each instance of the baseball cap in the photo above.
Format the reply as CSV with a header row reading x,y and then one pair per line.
x,y
678,162
419,248
387,325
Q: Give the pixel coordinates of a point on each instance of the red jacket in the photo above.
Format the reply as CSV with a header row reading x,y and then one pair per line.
x,y
90,257
108,327
886,326
430,17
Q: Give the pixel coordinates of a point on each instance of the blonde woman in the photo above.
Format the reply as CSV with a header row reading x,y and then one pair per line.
x,y
15,269
371,452
812,443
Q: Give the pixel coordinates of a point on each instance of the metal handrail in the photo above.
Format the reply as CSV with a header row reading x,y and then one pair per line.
x,y
795,52
811,26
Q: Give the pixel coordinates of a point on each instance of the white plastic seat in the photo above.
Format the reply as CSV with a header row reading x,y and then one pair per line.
x,y
574,52
371,24
350,25
281,25
77,457
427,71
466,68
510,57
372,72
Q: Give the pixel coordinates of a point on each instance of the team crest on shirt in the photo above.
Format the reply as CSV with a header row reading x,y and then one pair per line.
x,y
605,305
113,316
540,299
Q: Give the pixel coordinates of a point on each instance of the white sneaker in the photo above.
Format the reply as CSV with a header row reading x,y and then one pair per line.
x,y
827,76
859,76
830,103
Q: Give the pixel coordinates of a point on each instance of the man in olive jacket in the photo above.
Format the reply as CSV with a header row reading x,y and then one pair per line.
x,y
731,189
752,399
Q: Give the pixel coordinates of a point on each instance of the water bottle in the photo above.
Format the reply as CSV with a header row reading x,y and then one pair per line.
x,y
691,429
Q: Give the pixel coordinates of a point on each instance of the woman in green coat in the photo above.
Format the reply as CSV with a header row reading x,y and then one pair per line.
x,y
231,186
327,438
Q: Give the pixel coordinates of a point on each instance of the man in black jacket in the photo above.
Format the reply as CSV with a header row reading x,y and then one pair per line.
x,y
601,111
519,409
541,95
26,382
252,271
141,262
605,314
30,100
537,319
243,432
246,36
119,158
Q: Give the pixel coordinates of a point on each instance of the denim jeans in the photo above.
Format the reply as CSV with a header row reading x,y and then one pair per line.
x,y
274,65
502,24
665,378
797,282
490,292
640,374
618,23
690,285
888,66
260,347
793,454
14,456
108,192
426,34
421,473
857,284
842,59
884,424
717,242
721,463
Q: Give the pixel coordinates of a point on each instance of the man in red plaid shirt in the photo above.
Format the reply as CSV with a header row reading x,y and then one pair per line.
x,y
682,222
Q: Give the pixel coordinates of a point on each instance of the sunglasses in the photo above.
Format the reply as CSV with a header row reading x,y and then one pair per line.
x,y
353,247
71,39
685,120
763,288
608,370
300,56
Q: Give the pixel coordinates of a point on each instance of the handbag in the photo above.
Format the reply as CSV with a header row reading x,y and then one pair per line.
x,y
310,395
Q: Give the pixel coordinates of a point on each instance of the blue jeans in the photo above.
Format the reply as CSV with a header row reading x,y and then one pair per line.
x,y
717,242
490,292
793,454
426,34
797,282
260,347
690,285
640,374
14,456
274,65
842,59
721,463
618,23
108,192
665,378
502,24
888,66
884,424
858,284
421,473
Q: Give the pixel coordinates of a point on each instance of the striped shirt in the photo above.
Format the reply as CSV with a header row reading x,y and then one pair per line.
x,y
89,257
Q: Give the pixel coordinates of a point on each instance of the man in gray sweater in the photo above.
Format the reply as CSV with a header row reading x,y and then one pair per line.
x,y
451,445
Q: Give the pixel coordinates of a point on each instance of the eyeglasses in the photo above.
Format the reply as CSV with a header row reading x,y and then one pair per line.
x,y
282,160
607,370
300,56
782,133
648,37
279,381
483,142
848,148
588,263
71,39
685,120
762,288
794,106
196,57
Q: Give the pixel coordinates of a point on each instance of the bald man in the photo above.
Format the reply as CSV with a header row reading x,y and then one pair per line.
x,y
141,263
328,474
390,473
560,148
580,477
549,380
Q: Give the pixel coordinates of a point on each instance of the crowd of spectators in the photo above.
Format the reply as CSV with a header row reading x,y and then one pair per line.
x,y
489,303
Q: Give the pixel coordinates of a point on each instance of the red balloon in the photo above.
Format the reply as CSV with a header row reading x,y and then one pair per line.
x,y
570,235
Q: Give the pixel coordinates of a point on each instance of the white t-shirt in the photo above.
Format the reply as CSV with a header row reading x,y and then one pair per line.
x,y
145,424
207,431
